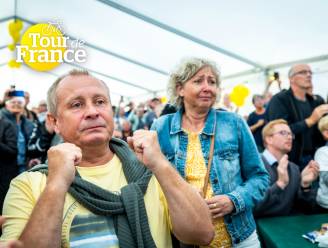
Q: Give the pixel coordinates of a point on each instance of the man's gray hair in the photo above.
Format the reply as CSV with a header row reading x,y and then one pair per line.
x,y
51,95
185,71
291,72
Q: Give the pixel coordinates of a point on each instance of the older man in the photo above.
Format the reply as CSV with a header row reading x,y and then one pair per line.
x,y
287,183
301,112
97,192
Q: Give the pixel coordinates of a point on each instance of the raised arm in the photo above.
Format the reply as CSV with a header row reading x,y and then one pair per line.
x,y
44,226
189,213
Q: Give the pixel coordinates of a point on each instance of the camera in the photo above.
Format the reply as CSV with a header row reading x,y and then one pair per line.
x,y
276,75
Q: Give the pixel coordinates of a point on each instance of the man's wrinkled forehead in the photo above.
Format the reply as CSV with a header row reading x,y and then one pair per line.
x,y
74,83
300,67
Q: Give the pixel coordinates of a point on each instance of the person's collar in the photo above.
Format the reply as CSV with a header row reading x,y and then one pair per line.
x,y
269,157
209,127
307,96
210,122
176,122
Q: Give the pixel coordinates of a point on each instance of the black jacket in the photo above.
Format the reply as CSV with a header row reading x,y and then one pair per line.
x,y
284,106
8,156
26,125
40,141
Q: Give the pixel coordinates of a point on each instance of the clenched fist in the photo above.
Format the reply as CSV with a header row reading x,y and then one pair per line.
x,y
145,145
62,160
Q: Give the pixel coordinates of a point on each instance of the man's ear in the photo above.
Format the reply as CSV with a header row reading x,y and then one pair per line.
x,y
268,140
51,123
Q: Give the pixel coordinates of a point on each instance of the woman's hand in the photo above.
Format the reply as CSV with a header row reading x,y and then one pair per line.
x,y
220,205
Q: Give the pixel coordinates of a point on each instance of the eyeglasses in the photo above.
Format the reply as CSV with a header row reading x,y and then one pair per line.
x,y
285,134
303,72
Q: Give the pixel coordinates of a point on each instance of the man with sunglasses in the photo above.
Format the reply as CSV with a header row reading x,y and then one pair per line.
x,y
302,112
288,184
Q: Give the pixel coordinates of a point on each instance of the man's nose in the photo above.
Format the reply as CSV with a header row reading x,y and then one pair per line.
x,y
91,111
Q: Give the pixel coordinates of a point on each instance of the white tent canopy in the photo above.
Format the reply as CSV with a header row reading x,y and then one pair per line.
x,y
133,45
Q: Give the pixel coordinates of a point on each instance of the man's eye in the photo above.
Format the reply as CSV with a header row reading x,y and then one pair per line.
x,y
76,105
100,102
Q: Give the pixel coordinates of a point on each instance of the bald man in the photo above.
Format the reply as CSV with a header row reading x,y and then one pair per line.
x,y
302,113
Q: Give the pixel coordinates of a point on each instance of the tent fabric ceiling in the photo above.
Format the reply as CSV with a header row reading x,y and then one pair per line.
x,y
133,45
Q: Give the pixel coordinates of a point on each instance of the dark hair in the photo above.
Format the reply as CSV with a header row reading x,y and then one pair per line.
x,y
256,96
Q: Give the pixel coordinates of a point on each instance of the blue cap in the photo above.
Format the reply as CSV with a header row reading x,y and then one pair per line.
x,y
16,93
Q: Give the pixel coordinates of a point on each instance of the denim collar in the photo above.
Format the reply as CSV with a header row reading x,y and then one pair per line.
x,y
208,129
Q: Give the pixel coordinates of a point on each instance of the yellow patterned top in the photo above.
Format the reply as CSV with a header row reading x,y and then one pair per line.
x,y
195,175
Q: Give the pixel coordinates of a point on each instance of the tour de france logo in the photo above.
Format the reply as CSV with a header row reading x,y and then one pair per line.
x,y
44,47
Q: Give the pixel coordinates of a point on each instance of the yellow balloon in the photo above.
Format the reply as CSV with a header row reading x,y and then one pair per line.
x,y
233,96
18,25
13,64
244,91
163,99
239,94
11,28
240,102
12,47
16,37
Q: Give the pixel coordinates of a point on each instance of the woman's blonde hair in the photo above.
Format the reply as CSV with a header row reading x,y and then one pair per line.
x,y
183,72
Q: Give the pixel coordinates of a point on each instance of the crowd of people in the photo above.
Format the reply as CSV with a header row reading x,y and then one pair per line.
x,y
78,170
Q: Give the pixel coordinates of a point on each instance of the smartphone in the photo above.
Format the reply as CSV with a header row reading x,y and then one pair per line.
x,y
276,75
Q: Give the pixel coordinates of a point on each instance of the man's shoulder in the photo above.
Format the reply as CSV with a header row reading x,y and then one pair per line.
x,y
321,154
283,95
252,115
28,183
323,149
5,123
30,176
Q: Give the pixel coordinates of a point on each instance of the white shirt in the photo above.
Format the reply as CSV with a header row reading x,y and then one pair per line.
x,y
269,157
321,156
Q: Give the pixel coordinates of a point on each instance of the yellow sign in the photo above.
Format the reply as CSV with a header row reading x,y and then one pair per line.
x,y
43,47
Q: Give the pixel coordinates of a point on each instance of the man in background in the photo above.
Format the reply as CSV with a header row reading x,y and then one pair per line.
x,y
301,112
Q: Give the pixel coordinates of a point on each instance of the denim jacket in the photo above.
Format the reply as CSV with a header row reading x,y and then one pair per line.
x,y
237,170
